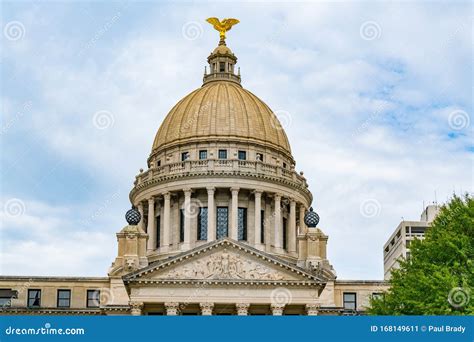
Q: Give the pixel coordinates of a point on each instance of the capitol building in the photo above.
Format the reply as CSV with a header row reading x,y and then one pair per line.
x,y
221,223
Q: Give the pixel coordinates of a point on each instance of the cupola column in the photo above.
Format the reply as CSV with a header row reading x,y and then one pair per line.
x,y
278,227
211,215
258,219
234,214
165,242
141,224
302,224
292,228
187,218
151,229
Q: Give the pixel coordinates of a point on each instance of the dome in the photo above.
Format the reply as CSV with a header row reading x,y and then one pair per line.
x,y
222,111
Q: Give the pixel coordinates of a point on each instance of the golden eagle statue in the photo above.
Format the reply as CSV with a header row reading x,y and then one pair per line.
x,y
223,25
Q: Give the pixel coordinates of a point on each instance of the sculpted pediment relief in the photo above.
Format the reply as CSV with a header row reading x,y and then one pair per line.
x,y
224,260
223,264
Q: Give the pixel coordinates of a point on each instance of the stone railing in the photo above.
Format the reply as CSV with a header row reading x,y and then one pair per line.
x,y
220,165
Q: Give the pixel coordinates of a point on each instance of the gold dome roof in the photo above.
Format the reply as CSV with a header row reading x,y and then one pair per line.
x,y
222,111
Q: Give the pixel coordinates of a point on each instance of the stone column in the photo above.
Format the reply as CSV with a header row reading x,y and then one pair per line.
x,y
278,227
302,224
151,229
206,308
277,309
258,219
165,241
242,309
187,218
211,214
142,213
234,215
292,228
171,308
312,309
136,308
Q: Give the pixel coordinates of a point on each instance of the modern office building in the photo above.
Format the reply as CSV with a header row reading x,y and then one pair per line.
x,y
398,245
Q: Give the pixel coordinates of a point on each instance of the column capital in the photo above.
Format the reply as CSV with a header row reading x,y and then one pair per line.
x,y
171,308
277,309
166,195
187,191
242,309
234,189
312,309
210,189
293,202
151,199
257,192
206,308
136,308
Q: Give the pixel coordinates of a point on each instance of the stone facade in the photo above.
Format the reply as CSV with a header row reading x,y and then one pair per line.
x,y
222,227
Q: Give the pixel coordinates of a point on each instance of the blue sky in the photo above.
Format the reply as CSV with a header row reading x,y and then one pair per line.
x,y
376,99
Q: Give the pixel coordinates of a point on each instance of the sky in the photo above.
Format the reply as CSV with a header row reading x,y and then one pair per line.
x,y
376,100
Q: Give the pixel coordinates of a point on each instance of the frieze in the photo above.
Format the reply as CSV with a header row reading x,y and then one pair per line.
x,y
223,265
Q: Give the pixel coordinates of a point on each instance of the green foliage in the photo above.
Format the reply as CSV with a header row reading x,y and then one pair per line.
x,y
438,279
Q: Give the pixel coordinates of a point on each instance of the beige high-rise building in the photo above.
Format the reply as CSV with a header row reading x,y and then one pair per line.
x,y
222,223
398,245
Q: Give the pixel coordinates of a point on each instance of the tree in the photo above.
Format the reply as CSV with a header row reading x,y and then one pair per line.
x,y
438,278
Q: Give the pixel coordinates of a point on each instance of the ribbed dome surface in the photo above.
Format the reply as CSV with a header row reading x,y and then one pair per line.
x,y
221,111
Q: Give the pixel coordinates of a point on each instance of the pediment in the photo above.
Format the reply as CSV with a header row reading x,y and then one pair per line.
x,y
223,261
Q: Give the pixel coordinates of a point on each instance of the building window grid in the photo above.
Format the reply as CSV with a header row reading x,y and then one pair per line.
x,y
203,154
202,224
6,296
222,222
34,298
64,299
181,225
93,298
350,300
242,155
158,229
222,154
242,224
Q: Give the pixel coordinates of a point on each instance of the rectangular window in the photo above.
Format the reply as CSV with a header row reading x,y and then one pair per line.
x,y
202,224
222,154
284,165
6,296
222,222
259,157
222,67
242,223
93,298
262,231
377,295
158,228
158,163
284,233
34,298
64,299
349,299
181,225
242,155
418,230
203,154
184,156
